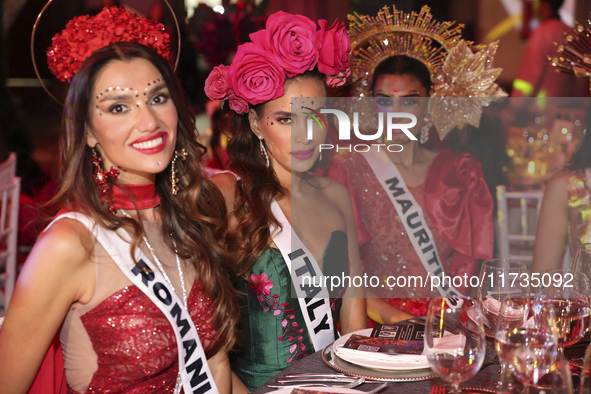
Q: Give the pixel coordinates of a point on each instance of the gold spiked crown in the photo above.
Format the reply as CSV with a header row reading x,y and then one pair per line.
x,y
391,33
574,55
456,71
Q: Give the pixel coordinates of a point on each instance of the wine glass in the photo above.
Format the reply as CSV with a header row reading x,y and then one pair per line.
x,y
454,351
586,373
582,260
499,278
513,314
561,306
529,353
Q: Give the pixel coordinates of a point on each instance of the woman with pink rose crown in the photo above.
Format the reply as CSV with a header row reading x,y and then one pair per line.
x,y
271,157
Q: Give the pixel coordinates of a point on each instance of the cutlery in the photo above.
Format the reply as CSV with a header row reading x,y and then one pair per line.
x,y
331,376
316,375
310,379
377,388
355,383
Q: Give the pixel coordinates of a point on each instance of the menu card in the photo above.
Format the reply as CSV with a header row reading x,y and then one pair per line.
x,y
400,338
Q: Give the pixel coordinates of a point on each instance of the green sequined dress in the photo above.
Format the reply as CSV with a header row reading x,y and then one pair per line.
x,y
272,323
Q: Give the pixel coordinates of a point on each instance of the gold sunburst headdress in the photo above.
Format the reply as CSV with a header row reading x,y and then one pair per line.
x,y
391,33
456,71
575,53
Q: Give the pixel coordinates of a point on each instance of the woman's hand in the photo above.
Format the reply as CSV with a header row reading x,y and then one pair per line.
x,y
382,312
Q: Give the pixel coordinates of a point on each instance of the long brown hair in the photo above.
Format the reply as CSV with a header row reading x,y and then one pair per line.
x,y
193,221
258,185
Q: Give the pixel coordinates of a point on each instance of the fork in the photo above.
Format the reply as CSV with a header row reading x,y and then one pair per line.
x,y
438,389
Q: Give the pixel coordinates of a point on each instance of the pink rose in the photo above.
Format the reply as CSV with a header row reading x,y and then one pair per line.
x,y
217,84
337,80
254,76
334,59
238,105
293,41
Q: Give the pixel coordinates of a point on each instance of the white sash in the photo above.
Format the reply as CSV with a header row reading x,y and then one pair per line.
x,y
195,373
314,301
411,216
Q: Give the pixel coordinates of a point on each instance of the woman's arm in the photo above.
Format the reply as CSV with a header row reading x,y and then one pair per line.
x,y
55,276
220,369
382,312
353,315
237,386
551,233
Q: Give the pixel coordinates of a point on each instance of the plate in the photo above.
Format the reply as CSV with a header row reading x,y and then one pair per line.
x,y
321,389
394,365
332,361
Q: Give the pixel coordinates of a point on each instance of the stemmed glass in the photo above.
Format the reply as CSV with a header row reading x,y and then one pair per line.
x,y
499,279
529,353
454,352
513,315
561,306
582,260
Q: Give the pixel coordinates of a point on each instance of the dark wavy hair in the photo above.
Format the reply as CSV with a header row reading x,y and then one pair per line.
x,y
258,185
403,65
193,222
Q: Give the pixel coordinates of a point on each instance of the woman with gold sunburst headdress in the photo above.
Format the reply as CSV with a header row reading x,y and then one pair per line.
x,y
445,224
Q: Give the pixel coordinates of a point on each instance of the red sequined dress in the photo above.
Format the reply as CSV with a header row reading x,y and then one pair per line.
x,y
458,209
120,341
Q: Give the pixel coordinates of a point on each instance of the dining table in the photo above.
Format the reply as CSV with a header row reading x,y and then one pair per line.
x,y
486,378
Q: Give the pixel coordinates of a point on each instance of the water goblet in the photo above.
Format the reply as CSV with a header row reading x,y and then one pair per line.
x,y
499,278
455,352
528,352
562,307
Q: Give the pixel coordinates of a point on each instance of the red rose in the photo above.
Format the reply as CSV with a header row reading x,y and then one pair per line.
x,y
293,41
254,76
334,59
217,84
84,34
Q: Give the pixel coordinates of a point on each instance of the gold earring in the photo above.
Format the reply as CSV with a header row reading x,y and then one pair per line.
x,y
173,171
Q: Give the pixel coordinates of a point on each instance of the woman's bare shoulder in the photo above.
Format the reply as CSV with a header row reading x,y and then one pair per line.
x,y
226,182
67,241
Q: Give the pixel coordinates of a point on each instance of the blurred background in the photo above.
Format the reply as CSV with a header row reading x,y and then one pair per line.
x,y
521,157
210,31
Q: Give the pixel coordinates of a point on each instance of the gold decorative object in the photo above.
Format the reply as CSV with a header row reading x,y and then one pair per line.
x,y
390,33
463,86
575,53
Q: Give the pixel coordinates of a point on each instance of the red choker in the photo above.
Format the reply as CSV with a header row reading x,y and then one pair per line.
x,y
126,197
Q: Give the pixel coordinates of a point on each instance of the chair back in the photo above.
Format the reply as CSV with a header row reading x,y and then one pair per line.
x,y
517,218
9,204
8,169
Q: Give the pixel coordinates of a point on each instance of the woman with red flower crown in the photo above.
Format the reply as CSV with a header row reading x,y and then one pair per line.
x,y
271,157
131,272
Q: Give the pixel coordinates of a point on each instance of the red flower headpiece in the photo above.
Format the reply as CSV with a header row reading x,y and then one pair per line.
x,y
289,46
85,34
